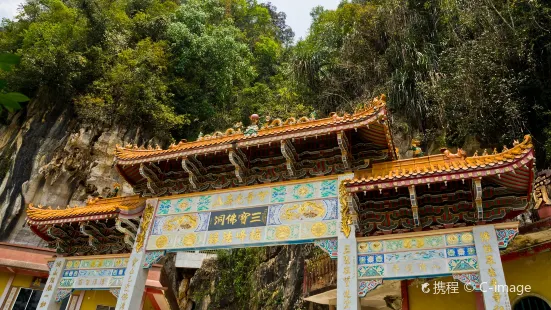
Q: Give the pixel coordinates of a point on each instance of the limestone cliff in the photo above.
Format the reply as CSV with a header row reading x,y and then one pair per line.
x,y
47,157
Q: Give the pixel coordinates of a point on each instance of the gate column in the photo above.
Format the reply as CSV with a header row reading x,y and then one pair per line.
x,y
492,278
48,298
347,270
133,285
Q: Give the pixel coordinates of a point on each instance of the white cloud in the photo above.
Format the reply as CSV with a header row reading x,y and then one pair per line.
x,y
8,8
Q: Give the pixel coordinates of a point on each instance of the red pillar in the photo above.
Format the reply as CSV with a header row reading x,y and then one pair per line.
x,y
405,295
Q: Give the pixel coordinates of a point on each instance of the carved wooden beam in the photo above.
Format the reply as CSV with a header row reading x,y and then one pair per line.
x,y
92,241
193,159
414,206
152,180
60,244
192,171
354,206
238,161
477,187
291,156
344,146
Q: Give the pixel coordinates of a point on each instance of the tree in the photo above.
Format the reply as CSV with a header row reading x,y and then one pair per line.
x,y
10,100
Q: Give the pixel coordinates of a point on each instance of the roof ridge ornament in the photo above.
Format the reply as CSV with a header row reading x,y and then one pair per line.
x,y
459,154
252,129
416,148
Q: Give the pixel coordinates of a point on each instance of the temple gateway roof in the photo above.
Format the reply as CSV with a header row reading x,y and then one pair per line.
x,y
275,131
447,167
101,226
443,191
274,152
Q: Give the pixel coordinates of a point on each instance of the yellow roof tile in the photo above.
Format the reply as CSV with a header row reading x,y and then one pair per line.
x,y
425,166
221,141
95,206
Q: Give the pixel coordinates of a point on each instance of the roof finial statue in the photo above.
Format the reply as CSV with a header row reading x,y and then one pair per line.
x,y
252,129
415,147
485,153
238,126
460,153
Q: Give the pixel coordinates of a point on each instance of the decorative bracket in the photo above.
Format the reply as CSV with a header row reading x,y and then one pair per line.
x,y
354,203
130,224
330,246
504,236
192,172
291,156
152,258
115,292
472,279
367,286
344,146
477,185
129,237
414,206
238,163
62,293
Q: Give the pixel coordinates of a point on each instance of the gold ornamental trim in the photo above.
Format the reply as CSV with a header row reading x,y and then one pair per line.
x,y
146,219
346,219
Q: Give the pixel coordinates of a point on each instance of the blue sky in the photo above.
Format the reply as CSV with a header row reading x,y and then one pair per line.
x,y
298,11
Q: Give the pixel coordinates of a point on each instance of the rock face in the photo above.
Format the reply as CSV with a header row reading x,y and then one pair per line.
x,y
48,158
274,281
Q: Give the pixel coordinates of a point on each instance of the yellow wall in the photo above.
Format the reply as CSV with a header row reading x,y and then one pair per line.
x,y
421,301
95,298
4,278
22,280
533,271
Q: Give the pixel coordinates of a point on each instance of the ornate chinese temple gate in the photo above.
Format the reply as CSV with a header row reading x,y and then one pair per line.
x,y
334,182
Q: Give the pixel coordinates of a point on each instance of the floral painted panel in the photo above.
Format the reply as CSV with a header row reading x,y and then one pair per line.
x,y
249,197
96,273
415,255
418,256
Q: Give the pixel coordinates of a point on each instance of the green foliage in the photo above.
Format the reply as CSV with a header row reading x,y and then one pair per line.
x,y
211,60
175,69
10,101
134,90
452,69
235,279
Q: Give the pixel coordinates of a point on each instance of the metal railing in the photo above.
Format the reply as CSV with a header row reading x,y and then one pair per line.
x,y
320,275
